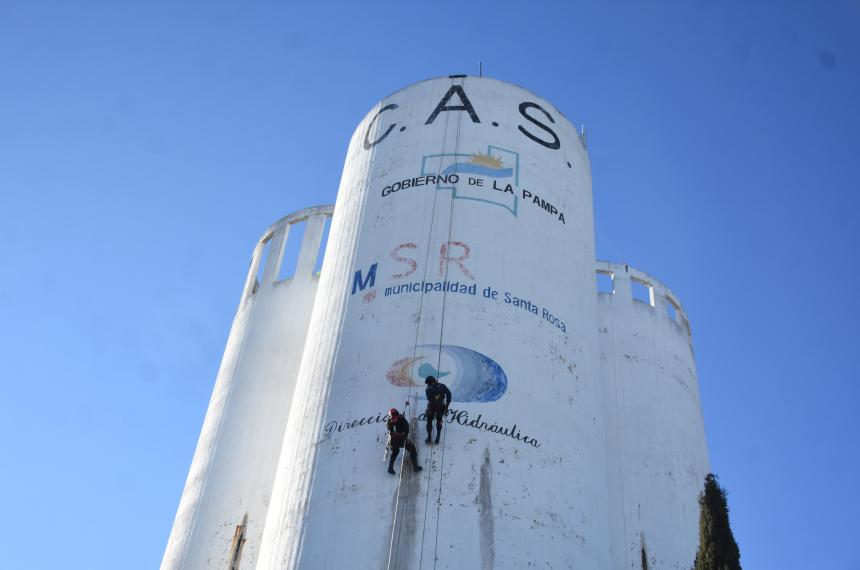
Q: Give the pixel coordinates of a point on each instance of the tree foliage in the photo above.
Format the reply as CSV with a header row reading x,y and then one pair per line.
x,y
717,547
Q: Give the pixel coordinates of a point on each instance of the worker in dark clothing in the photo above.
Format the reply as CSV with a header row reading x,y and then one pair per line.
x,y
438,400
398,436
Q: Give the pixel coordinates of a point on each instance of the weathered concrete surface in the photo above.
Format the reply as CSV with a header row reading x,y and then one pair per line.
x,y
514,335
575,439
656,450
231,475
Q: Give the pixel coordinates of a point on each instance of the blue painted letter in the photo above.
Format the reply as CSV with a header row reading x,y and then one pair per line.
x,y
360,284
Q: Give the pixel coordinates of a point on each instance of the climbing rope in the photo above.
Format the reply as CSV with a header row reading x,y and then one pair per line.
x,y
439,363
438,368
397,500
396,530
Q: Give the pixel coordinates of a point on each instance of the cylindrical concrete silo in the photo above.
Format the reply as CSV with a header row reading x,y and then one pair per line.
x,y
462,246
656,450
223,507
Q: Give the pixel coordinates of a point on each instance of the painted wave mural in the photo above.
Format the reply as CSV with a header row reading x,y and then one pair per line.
x,y
470,375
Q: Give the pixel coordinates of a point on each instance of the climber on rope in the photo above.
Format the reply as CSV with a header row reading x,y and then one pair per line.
x,y
398,436
438,400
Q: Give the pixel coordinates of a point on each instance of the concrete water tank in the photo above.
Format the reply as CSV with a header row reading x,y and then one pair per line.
x,y
462,247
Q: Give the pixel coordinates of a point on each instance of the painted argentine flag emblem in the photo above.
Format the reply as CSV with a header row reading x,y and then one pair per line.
x,y
498,169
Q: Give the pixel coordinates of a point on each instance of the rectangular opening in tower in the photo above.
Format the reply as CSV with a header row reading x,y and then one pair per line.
x,y
292,249
642,291
672,310
262,260
323,244
605,282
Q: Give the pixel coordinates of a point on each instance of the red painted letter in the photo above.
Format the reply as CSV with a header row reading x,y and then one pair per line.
x,y
408,260
444,258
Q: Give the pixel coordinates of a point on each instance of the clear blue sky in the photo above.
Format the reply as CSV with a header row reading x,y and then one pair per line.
x,y
144,146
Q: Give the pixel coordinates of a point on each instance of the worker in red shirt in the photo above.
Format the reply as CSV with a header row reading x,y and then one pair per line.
x,y
398,436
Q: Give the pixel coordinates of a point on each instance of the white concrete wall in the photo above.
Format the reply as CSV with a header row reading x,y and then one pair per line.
x,y
537,500
231,475
656,450
575,445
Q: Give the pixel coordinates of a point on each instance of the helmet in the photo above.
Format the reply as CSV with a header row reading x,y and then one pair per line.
x,y
430,380
393,412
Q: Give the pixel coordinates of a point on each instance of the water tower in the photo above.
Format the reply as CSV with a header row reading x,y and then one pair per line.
x,y
461,246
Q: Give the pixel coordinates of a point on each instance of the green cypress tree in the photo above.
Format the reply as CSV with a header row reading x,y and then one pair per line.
x,y
717,547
